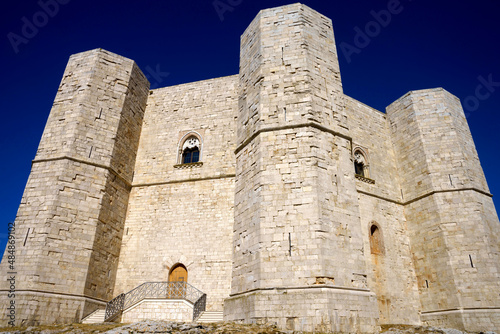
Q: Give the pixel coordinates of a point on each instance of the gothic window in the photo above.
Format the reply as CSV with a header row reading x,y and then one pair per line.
x,y
360,163
376,241
190,150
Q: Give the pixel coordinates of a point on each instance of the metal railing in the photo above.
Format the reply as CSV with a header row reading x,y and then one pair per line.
x,y
114,307
199,306
157,290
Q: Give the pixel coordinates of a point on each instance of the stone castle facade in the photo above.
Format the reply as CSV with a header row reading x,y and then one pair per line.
x,y
280,197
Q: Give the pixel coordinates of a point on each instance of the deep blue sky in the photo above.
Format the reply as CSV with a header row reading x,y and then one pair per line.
x,y
427,44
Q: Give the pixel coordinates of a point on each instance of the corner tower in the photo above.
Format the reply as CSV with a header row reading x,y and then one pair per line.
x,y
70,222
454,229
298,252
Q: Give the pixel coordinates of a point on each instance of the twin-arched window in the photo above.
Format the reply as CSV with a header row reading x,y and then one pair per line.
x,y
190,148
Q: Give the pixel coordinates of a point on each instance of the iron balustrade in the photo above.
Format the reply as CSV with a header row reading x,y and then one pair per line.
x,y
157,290
199,306
114,307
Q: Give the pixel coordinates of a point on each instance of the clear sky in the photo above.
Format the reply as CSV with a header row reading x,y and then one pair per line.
x,y
409,45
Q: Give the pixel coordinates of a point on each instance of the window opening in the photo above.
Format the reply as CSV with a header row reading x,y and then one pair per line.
x,y
191,150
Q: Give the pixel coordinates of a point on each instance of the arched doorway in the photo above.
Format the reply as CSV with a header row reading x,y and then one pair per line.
x,y
177,281
178,273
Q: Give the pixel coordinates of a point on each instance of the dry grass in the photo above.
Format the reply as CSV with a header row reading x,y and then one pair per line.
x,y
64,328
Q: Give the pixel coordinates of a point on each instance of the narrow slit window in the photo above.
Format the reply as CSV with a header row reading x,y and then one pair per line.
x,y
471,262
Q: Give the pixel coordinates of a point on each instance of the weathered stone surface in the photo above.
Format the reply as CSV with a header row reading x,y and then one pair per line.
x,y
304,208
70,222
452,224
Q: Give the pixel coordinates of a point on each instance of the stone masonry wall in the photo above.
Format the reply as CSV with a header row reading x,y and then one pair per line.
x,y
391,274
37,307
282,80
282,166
70,220
320,309
425,125
452,225
297,220
183,213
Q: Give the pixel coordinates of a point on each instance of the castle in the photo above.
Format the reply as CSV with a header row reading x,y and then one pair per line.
x,y
269,195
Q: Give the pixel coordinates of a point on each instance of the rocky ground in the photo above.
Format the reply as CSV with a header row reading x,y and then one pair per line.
x,y
149,326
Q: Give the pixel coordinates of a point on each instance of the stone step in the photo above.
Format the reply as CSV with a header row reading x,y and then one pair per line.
x,y
95,317
210,316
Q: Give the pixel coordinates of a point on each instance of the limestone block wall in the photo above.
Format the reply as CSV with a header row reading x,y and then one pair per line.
x,y
297,221
70,220
97,113
452,223
301,222
391,274
282,80
208,108
323,309
370,132
425,126
276,149
455,253
183,214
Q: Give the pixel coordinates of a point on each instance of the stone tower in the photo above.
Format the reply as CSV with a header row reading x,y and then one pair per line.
x,y
70,222
453,226
298,252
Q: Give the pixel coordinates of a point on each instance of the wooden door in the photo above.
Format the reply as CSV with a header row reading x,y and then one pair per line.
x,y
178,274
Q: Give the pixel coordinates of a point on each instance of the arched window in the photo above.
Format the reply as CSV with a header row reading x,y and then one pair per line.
x,y
190,149
361,163
376,240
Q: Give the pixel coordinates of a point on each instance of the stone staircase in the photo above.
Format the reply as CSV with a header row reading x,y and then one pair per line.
x,y
210,316
205,317
95,317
